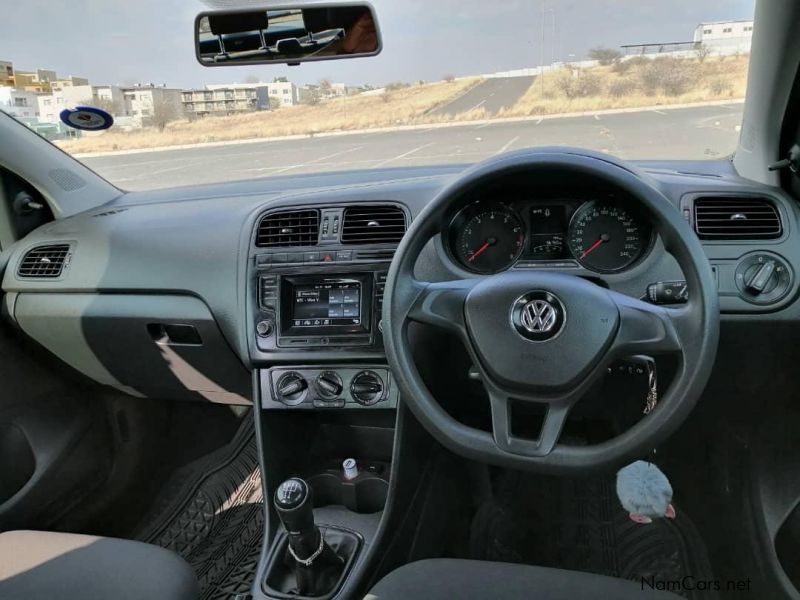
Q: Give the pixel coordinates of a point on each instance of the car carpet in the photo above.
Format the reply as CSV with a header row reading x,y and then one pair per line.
x,y
211,513
578,524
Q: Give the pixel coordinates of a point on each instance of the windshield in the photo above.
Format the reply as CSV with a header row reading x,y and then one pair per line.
x,y
457,81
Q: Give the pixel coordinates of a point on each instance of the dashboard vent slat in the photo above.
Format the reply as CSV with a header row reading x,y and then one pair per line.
x,y
293,228
373,225
735,218
46,261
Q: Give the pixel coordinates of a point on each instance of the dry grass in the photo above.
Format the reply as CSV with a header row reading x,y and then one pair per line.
x,y
634,83
641,83
399,106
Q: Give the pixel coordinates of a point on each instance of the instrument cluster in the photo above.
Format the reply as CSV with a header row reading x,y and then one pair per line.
x,y
603,234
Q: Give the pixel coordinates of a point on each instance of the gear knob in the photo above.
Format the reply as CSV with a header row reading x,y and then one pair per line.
x,y
294,504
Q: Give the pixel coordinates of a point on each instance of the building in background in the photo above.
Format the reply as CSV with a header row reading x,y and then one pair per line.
x,y
7,78
35,81
725,37
285,91
224,101
19,103
71,81
107,97
152,104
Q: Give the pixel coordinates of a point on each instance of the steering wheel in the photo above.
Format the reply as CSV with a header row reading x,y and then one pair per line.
x,y
547,337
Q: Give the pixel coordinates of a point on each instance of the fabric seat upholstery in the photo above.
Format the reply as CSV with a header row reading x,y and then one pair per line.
x,y
42,565
445,579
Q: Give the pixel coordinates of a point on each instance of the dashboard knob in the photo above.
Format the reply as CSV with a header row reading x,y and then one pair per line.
x,y
291,388
759,280
264,328
367,388
329,384
763,278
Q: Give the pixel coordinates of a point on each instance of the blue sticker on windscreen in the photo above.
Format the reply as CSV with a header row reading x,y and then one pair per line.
x,y
87,118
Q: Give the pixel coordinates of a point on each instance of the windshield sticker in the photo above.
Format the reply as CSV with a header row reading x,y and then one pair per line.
x,y
87,118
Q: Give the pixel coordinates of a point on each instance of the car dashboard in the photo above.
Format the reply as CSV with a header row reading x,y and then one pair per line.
x,y
270,291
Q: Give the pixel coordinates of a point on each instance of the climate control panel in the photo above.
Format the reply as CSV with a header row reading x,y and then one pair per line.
x,y
328,387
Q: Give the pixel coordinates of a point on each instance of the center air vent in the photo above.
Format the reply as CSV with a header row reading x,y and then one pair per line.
x,y
736,218
373,225
44,261
295,228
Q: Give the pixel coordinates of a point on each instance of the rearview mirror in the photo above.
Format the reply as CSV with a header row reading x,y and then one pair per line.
x,y
287,34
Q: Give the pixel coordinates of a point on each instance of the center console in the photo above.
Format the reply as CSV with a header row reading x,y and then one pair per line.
x,y
325,393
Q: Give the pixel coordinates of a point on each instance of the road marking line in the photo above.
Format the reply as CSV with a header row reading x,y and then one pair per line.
x,y
403,155
507,145
484,125
596,117
478,105
658,112
316,160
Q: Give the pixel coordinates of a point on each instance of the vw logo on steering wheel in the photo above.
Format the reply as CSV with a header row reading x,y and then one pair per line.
x,y
538,315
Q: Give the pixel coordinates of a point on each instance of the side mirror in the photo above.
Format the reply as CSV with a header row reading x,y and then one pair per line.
x,y
287,34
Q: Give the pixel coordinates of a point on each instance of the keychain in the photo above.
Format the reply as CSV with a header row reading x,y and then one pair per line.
x,y
652,387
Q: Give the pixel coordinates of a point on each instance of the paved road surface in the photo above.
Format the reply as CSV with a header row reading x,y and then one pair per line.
x,y
491,95
691,133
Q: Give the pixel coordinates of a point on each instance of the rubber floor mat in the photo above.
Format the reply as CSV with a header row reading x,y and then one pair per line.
x,y
211,513
578,524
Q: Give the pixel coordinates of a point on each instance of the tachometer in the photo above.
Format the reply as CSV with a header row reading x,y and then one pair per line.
x,y
605,237
487,239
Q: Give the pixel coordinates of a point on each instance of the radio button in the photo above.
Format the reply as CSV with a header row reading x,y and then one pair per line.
x,y
344,255
319,403
327,257
264,328
310,257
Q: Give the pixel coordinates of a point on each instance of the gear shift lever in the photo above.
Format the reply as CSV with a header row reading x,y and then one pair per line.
x,y
313,557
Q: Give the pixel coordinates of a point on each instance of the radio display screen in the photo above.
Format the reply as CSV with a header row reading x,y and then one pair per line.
x,y
327,303
317,305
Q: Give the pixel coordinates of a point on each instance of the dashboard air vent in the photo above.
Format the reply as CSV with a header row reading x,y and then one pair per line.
x,y
44,261
295,228
736,218
373,225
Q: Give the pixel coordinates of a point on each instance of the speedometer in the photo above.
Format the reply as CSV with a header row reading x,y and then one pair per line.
x,y
605,237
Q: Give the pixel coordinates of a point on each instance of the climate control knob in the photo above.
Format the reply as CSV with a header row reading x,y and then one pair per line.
x,y
367,388
329,384
291,388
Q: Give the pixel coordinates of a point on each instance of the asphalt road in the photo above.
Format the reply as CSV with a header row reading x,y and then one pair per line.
x,y
689,133
491,96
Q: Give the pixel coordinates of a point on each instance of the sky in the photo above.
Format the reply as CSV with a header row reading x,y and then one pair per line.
x,y
152,41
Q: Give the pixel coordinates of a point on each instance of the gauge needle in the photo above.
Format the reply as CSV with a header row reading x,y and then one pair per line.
x,y
484,247
601,240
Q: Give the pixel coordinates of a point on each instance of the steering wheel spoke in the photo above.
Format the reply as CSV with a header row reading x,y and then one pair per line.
x,y
556,415
557,410
441,303
646,328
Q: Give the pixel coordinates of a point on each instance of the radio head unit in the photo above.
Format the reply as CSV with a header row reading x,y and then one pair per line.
x,y
326,306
